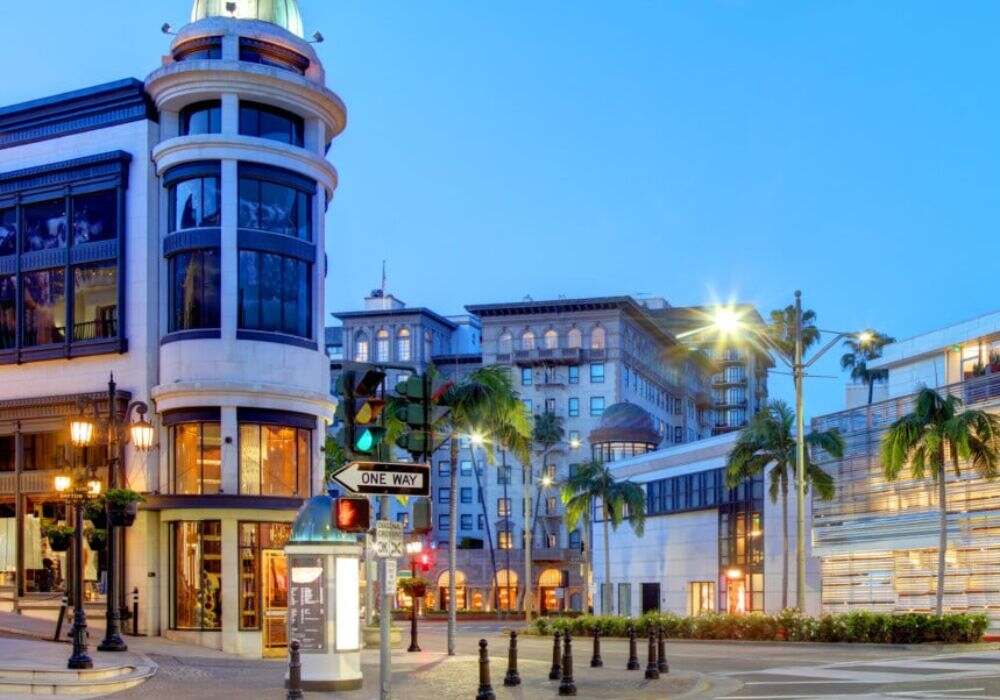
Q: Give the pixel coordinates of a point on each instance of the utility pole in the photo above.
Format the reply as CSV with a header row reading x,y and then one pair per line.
x,y
385,614
798,370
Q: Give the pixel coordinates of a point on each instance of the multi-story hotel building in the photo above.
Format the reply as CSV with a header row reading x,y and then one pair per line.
x,y
879,540
605,366
172,232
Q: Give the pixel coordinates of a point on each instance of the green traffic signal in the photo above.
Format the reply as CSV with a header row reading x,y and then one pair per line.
x,y
368,439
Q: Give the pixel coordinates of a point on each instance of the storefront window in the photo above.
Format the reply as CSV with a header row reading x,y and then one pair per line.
x,y
8,232
197,575
274,207
95,217
197,458
264,580
274,460
8,312
197,281
194,203
44,226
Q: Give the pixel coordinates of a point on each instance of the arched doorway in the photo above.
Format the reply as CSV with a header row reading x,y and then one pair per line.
x,y
506,589
549,582
444,581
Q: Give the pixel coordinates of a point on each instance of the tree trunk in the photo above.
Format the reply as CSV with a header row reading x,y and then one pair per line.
x,y
607,566
486,518
503,464
588,574
452,545
784,546
943,542
871,391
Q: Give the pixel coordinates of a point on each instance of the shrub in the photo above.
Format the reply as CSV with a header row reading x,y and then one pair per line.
x,y
788,625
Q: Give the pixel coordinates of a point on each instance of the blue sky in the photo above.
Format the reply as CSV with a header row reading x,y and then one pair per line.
x,y
692,150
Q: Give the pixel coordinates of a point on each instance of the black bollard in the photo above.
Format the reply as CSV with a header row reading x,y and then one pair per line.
x,y
485,687
567,686
651,671
661,652
633,656
294,671
596,661
555,673
135,611
512,678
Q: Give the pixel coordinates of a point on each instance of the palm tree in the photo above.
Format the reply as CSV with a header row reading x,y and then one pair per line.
x,y
622,500
768,440
860,353
483,401
547,433
781,330
926,438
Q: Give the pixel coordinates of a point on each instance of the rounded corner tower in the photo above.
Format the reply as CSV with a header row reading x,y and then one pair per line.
x,y
245,125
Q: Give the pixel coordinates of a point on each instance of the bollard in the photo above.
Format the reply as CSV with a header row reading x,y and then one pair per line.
x,y
485,687
294,671
596,661
135,611
556,671
633,656
651,672
661,652
567,686
512,678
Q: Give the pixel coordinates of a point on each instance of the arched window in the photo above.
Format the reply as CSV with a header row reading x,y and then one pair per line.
x,y
550,578
460,592
528,341
403,352
597,338
551,339
361,347
382,346
574,338
506,589
506,343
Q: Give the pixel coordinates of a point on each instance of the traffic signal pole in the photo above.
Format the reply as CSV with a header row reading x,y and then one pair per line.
x,y
385,621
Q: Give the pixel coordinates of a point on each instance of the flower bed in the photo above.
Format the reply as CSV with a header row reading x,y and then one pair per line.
x,y
856,627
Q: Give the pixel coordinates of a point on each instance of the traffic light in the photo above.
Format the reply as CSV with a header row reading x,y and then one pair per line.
x,y
425,562
360,409
352,514
422,524
418,407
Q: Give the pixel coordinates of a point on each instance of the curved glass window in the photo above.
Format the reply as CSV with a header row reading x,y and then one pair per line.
x,y
196,282
209,47
274,207
195,202
266,54
202,118
8,312
266,122
197,458
95,217
274,460
275,293
44,226
8,232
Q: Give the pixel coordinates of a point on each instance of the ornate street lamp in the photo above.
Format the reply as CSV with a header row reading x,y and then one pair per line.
x,y
77,492
114,429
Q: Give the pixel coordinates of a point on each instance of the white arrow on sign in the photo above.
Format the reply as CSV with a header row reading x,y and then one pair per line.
x,y
386,478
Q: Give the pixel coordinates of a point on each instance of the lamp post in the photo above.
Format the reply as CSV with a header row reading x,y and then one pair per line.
x,y
414,549
116,429
729,322
78,490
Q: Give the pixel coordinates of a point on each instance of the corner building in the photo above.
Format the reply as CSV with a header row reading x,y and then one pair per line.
x,y
172,232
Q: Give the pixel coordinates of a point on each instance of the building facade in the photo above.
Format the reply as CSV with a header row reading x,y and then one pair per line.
x,y
878,540
577,359
706,548
171,232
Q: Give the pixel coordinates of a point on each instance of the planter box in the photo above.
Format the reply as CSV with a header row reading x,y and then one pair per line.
x,y
373,637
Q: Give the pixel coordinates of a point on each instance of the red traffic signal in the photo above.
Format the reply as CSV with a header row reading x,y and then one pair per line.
x,y
425,562
352,514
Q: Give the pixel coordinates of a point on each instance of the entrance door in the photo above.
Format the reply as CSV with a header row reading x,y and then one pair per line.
x,y
274,591
650,597
736,596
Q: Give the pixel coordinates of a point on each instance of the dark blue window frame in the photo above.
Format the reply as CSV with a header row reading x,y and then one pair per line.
x,y
71,182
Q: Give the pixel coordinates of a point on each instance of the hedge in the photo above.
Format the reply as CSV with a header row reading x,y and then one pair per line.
x,y
856,627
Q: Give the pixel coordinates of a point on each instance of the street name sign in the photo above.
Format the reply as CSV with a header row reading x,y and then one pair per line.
x,y
388,539
386,478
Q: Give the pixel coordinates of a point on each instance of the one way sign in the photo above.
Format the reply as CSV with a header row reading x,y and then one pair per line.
x,y
386,478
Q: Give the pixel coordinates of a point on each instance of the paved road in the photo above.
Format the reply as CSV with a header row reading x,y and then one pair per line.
x,y
699,671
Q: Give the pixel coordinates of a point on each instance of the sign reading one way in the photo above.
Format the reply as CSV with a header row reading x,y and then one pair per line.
x,y
386,478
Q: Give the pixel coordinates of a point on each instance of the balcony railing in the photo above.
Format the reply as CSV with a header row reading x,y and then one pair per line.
x,y
34,481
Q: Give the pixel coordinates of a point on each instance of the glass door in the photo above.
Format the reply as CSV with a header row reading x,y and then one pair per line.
x,y
274,591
